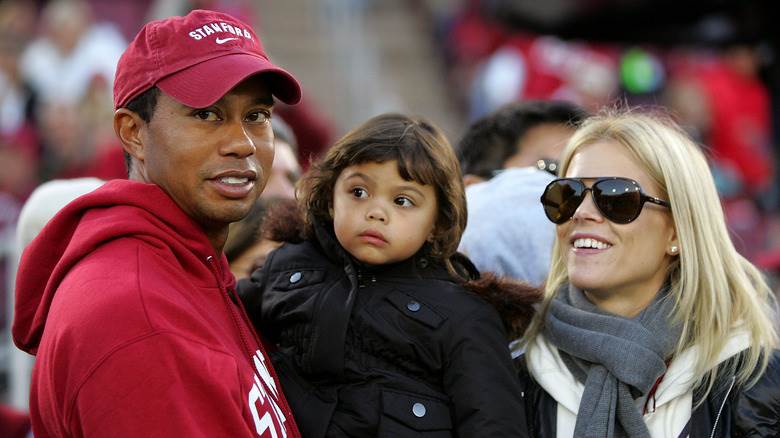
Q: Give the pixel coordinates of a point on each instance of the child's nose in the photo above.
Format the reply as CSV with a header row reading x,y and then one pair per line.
x,y
376,214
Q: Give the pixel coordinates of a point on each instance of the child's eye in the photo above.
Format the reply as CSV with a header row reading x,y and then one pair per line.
x,y
403,201
359,192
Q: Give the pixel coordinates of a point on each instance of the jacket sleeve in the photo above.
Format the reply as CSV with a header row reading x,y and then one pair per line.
x,y
161,386
481,380
758,408
251,290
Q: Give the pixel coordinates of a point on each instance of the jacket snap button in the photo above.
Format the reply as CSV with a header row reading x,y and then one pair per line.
x,y
418,409
296,277
413,306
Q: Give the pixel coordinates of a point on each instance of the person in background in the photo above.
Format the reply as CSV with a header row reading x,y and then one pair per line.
x,y
286,170
380,332
125,297
45,201
652,324
507,232
518,134
263,230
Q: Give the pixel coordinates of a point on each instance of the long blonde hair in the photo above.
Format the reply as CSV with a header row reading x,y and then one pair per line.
x,y
715,289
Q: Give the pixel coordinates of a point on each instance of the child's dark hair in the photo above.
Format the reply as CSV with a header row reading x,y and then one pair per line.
x,y
423,154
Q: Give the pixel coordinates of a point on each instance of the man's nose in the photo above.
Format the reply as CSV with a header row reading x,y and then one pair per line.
x,y
237,141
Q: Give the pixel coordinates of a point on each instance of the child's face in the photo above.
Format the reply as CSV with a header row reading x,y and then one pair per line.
x,y
378,216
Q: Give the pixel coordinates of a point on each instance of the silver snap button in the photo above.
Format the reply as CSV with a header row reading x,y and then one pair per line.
x,y
413,306
418,409
296,277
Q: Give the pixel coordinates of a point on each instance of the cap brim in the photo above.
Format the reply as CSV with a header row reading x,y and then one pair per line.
x,y
203,84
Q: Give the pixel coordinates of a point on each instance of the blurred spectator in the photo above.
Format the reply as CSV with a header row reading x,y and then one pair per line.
x,y
18,177
286,170
16,24
70,52
531,66
313,131
517,135
251,239
507,231
44,202
14,424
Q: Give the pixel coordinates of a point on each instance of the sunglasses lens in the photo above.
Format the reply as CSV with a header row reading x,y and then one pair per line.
x,y
561,199
619,200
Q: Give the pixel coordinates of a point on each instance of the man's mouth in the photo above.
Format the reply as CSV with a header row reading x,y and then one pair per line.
x,y
233,180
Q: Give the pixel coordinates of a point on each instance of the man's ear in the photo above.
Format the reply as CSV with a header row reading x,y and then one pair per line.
x,y
128,126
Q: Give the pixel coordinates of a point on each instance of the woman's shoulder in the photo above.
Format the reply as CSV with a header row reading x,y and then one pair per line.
x,y
758,407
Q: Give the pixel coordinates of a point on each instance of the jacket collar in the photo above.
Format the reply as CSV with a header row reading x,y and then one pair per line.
x,y
419,265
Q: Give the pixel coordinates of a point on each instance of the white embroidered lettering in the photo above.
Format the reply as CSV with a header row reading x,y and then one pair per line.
x,y
272,419
215,26
195,35
247,34
208,30
263,372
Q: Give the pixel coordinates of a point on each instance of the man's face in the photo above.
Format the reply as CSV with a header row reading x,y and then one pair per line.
x,y
214,161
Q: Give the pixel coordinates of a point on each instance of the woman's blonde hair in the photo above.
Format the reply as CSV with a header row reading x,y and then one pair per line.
x,y
715,289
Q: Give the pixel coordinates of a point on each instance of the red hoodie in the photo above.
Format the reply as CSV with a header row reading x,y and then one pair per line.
x,y
137,327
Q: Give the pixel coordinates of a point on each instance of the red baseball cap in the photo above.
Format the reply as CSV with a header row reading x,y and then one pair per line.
x,y
197,59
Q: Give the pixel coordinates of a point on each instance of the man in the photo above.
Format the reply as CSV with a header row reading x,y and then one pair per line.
x,y
507,230
518,134
125,296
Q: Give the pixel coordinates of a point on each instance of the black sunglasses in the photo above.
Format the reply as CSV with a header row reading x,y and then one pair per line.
x,y
619,199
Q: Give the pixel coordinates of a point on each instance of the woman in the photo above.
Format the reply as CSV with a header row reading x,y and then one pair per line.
x,y
652,324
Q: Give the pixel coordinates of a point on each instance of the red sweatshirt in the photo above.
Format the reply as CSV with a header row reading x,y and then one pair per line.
x,y
136,326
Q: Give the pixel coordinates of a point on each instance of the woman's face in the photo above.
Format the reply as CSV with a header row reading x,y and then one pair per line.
x,y
627,265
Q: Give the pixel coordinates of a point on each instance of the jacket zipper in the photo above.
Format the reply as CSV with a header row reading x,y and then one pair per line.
x,y
242,315
722,405
360,279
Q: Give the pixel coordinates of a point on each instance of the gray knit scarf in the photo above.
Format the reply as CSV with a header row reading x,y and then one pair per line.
x,y
616,358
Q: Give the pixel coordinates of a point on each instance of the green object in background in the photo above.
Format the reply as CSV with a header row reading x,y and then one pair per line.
x,y
640,72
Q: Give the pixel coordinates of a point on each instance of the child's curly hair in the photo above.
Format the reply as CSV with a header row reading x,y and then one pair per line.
x,y
423,155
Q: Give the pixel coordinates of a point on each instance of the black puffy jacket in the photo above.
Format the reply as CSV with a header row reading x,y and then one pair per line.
x,y
395,351
727,412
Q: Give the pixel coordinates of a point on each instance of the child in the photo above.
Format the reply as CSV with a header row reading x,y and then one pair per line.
x,y
377,335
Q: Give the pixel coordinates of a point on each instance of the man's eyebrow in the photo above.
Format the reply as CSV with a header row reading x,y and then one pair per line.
x,y
262,100
265,100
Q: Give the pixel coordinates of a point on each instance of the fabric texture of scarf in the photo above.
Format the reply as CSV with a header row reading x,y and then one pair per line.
x,y
617,359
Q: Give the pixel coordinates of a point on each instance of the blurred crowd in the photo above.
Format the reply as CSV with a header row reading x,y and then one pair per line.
x,y
715,85
57,62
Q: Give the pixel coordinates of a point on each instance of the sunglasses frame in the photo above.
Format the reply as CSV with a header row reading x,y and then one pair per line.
x,y
643,197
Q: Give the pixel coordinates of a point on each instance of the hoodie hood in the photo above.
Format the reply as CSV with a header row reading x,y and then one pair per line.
x,y
118,209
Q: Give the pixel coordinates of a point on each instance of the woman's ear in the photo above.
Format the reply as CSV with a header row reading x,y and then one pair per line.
x,y
673,245
128,126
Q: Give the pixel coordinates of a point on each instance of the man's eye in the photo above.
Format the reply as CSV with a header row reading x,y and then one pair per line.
x,y
403,201
206,115
359,192
259,116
